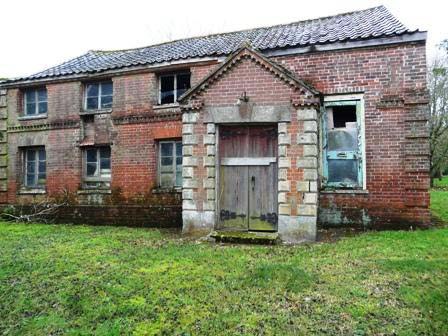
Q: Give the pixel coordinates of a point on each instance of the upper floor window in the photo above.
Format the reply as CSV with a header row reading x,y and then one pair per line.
x,y
170,163
172,86
35,101
343,148
35,167
98,96
97,167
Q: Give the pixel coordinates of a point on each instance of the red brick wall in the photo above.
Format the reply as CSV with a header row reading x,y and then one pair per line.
x,y
376,72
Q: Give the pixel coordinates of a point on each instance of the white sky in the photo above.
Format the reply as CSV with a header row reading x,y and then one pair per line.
x,y
36,35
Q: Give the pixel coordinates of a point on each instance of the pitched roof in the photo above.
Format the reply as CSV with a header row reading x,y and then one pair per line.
x,y
365,24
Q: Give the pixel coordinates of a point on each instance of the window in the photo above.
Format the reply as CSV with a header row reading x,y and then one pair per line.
x,y
343,151
35,101
97,167
98,96
172,86
170,164
35,167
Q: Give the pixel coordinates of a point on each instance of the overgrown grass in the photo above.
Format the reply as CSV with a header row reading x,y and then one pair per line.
x,y
439,204
79,280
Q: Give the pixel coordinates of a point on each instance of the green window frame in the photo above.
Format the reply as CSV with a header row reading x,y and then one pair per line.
x,y
343,147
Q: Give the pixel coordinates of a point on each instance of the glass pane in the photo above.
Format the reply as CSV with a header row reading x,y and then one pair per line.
x,y
106,89
344,171
166,149
92,90
29,180
92,103
105,173
31,167
167,161
42,167
179,161
91,169
106,102
42,95
41,179
104,163
42,107
30,108
42,154
343,139
178,148
179,179
30,155
166,180
105,152
91,155
30,96
167,89
183,84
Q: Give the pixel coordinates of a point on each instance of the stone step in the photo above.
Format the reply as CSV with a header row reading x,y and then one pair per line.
x,y
245,237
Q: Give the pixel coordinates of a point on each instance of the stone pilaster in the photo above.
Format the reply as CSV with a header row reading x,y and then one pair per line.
x,y
3,141
302,226
198,186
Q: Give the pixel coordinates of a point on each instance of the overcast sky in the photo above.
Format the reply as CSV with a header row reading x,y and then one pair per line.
x,y
36,35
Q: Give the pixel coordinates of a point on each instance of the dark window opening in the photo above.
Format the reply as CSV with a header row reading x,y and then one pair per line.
x,y
173,86
343,115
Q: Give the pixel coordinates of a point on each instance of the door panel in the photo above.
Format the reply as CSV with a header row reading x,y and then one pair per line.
x,y
233,197
263,198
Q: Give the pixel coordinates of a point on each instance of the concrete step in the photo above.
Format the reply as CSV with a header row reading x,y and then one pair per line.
x,y
245,237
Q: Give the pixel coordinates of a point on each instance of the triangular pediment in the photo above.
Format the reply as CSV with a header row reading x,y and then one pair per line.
x,y
247,52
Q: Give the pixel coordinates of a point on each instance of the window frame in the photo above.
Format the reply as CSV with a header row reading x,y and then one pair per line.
x,y
98,178
100,88
174,168
360,154
35,90
175,74
37,171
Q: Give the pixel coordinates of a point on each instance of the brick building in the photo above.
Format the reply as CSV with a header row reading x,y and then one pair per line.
x,y
275,129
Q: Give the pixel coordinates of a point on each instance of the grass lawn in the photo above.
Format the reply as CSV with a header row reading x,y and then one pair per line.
x,y
442,183
80,280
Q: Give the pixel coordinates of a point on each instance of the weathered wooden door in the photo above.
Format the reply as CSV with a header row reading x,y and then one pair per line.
x,y
248,178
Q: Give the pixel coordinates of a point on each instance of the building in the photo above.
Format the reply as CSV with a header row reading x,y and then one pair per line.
x,y
279,129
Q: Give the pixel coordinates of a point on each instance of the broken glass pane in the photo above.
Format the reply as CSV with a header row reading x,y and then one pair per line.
x,y
167,89
343,171
343,139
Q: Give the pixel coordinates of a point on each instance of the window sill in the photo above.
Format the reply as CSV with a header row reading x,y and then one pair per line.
x,y
345,191
32,192
32,117
94,191
161,190
165,106
91,112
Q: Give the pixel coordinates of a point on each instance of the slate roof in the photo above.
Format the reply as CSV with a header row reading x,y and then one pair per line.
x,y
365,24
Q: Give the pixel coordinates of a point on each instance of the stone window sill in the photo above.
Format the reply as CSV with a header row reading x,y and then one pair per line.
x,y
91,112
165,106
94,191
175,190
32,117
345,191
32,192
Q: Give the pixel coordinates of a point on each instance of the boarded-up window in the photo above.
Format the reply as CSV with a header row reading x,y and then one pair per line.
x,y
170,164
342,144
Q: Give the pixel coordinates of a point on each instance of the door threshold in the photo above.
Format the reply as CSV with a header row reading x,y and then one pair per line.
x,y
245,237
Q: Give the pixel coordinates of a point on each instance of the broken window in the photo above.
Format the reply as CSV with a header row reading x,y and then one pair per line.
x,y
172,86
35,167
35,101
97,167
170,164
342,144
99,96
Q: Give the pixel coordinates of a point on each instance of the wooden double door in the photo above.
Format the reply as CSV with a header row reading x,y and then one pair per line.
x,y
247,195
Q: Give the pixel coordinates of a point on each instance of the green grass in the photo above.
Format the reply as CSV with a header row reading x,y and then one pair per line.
x,y
79,280
439,204
441,183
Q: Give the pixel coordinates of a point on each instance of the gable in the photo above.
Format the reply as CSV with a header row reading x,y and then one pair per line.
x,y
248,73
